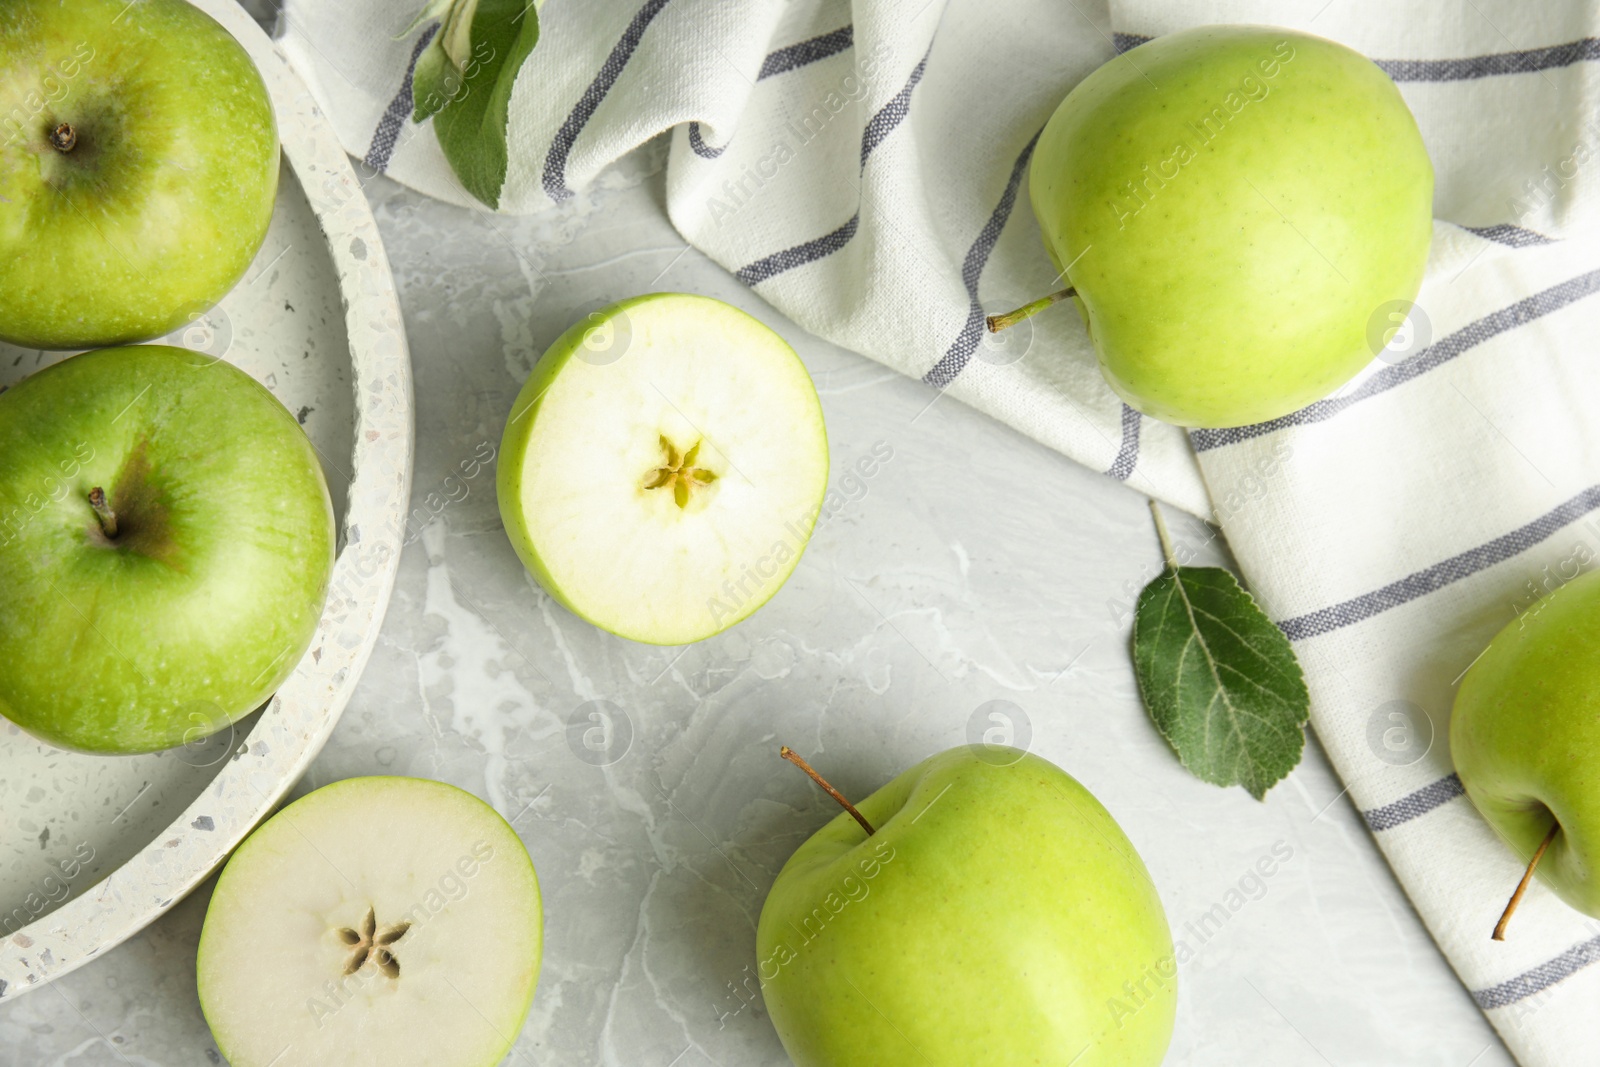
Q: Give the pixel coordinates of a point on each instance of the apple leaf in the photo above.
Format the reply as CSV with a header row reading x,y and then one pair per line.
x,y
1219,679
464,80
437,77
434,80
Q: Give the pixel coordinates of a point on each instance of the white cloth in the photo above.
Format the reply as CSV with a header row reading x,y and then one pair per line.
x,y
863,166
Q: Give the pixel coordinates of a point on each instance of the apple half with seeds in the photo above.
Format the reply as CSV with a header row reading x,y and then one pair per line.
x,y
663,467
375,922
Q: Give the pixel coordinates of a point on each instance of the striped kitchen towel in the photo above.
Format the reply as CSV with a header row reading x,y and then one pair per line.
x,y
863,166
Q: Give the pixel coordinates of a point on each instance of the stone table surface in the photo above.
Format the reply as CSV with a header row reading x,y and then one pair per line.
x,y
971,566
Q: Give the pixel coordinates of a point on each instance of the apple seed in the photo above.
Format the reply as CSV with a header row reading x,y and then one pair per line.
x,y
680,473
369,942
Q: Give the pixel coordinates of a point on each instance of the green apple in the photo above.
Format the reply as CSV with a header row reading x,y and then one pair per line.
x,y
166,540
662,469
138,169
1525,737
997,915
1234,207
372,923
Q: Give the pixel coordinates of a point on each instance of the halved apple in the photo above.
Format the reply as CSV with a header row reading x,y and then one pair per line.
x,y
375,922
663,467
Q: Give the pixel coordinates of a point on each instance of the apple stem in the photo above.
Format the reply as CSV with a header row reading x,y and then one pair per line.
x,y
1011,318
64,138
1166,538
794,757
1522,886
103,512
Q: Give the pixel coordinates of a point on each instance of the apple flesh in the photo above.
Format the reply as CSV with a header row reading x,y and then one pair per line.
x,y
138,169
663,467
997,915
1235,207
372,923
1525,737
188,596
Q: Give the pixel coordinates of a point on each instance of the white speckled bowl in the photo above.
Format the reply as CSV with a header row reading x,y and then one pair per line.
x,y
93,848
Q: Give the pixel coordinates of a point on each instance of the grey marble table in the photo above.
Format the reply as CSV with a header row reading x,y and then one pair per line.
x,y
972,566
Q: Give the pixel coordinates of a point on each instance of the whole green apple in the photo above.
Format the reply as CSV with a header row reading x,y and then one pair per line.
x,y
1525,737
375,922
997,915
138,169
1233,206
166,540
663,467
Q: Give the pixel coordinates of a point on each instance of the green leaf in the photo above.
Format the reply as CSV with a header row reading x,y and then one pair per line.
x,y
464,80
434,77
433,81
1219,679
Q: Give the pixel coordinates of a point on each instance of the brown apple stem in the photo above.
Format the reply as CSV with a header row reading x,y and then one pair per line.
x,y
794,757
103,512
1166,538
1011,318
1522,886
64,138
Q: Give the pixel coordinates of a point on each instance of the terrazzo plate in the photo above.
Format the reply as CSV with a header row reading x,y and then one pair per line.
x,y
94,848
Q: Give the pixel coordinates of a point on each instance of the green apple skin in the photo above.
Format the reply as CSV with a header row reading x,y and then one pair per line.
x,y
997,916
1233,204
1525,737
159,208
211,591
